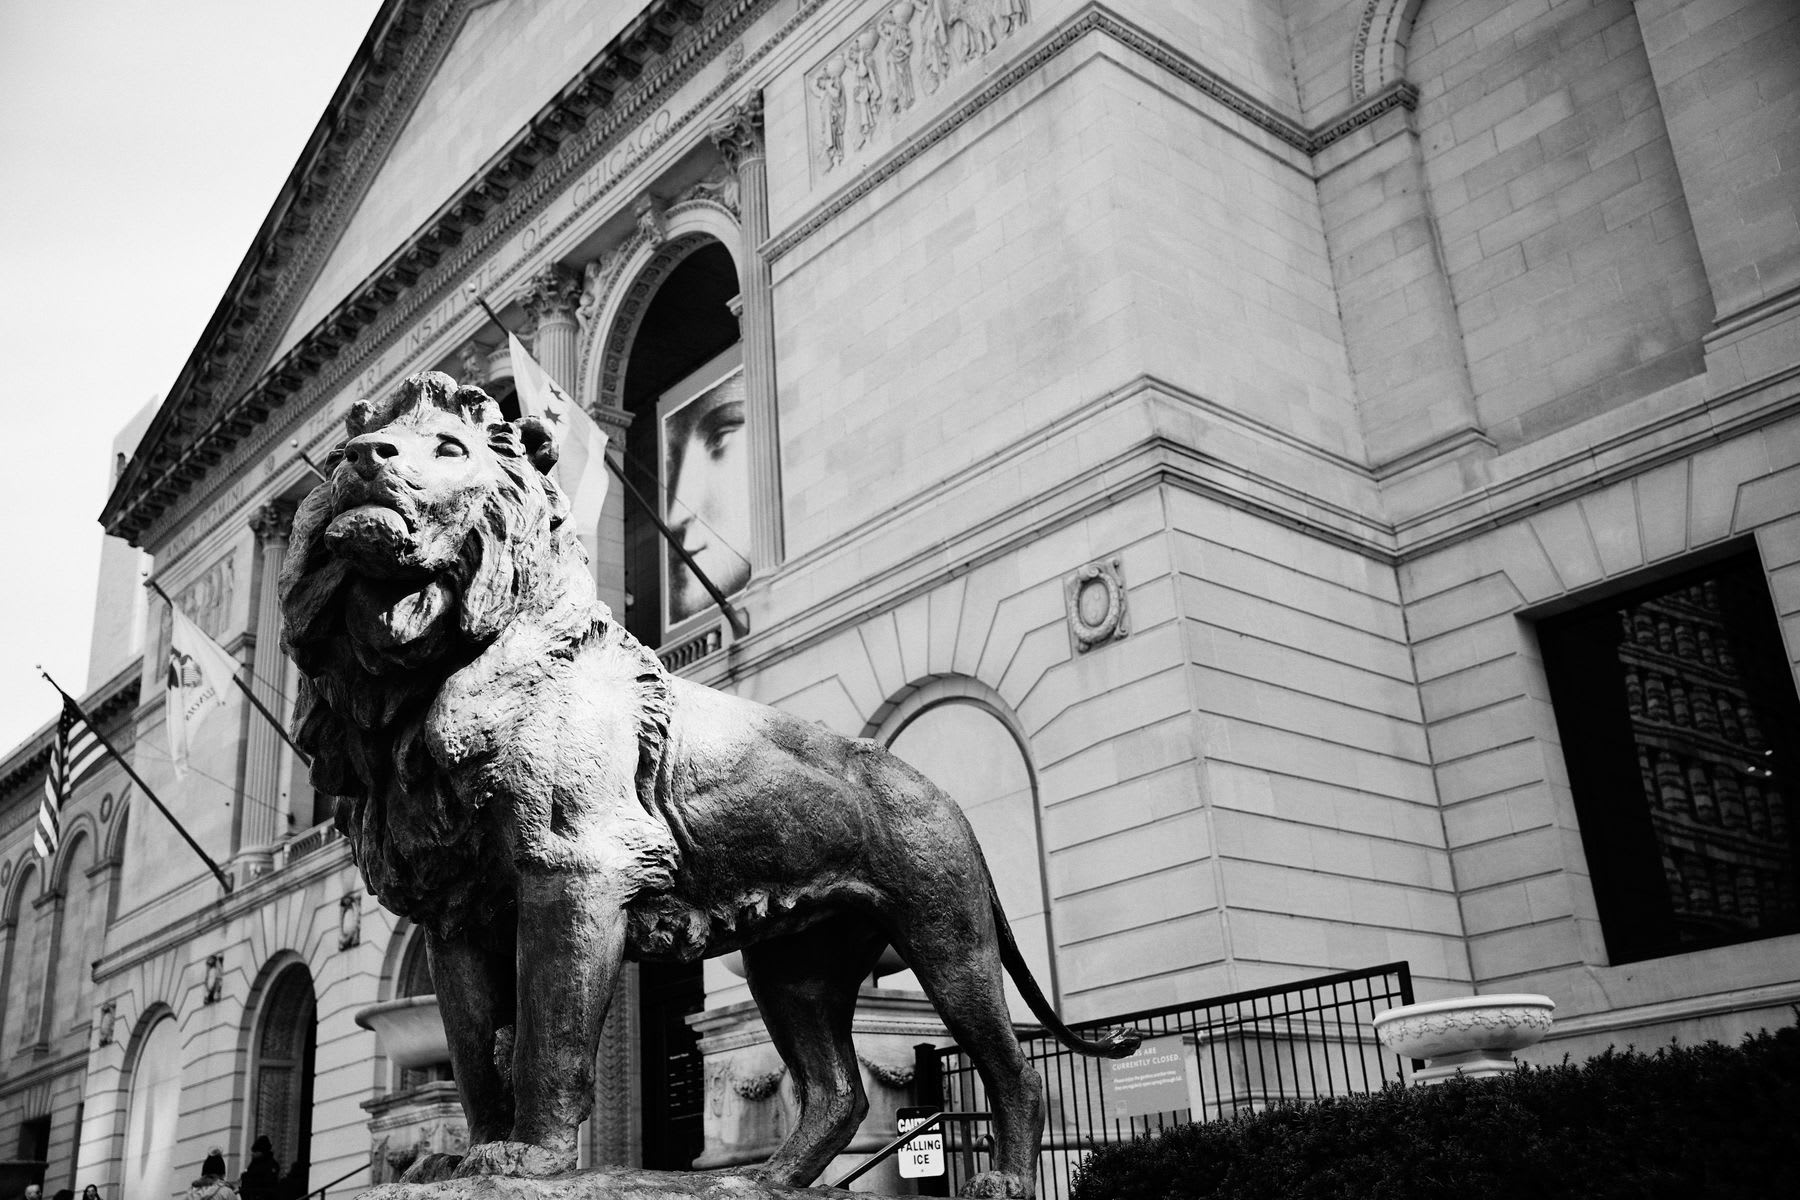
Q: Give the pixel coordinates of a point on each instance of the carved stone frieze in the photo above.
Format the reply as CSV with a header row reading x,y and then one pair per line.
x,y
860,95
721,187
1096,605
596,280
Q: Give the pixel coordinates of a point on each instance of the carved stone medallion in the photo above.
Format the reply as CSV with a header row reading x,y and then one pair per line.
x,y
1096,604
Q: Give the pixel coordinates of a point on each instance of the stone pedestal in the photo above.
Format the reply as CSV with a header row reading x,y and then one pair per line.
x,y
609,1183
750,1101
406,1126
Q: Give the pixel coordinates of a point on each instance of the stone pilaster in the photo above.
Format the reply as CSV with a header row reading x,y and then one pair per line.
x,y
739,137
551,298
262,815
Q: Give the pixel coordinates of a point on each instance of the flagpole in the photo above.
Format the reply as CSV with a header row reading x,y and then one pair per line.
x,y
243,687
740,627
224,880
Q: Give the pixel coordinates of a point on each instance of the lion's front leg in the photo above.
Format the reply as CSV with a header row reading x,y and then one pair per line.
x,y
475,987
571,940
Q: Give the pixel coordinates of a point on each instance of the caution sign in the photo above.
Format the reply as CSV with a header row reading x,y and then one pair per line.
x,y
1154,1080
924,1155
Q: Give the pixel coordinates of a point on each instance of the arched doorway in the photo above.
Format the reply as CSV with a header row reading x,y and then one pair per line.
x,y
684,439
281,1096
683,348
964,746
152,1110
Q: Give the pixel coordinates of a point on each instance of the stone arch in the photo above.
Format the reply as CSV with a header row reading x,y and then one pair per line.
x,y
151,1106
14,958
23,873
407,940
113,852
75,935
81,826
1378,56
278,1040
1003,808
628,280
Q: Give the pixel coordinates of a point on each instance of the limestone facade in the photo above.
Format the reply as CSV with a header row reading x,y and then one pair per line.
x,y
1212,398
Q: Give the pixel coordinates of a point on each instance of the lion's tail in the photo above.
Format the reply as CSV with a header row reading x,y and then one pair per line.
x,y
1116,1043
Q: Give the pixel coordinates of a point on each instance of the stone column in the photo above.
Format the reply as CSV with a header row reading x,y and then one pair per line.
x,y
739,137
551,298
262,815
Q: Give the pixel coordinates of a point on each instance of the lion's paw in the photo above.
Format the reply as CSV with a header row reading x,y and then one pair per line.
x,y
429,1168
997,1184
513,1158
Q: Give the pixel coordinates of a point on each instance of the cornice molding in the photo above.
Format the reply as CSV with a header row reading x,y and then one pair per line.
x,y
104,703
1095,19
655,54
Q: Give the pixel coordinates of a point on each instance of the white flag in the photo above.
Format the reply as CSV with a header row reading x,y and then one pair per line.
x,y
580,465
198,681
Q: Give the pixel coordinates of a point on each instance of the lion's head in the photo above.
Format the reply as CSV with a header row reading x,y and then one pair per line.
x,y
439,525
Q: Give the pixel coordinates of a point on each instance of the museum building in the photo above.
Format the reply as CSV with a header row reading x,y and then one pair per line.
x,y
1319,482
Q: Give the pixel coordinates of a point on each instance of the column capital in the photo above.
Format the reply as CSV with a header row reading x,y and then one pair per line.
x,y
739,133
273,521
553,292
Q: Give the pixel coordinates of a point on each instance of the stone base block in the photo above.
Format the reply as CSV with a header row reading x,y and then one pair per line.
x,y
612,1183
1476,1064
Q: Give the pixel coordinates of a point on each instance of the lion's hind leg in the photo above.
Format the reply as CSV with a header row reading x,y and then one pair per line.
x,y
957,963
805,984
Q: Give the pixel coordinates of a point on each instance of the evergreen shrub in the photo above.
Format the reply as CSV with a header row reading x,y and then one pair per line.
x,y
1687,1121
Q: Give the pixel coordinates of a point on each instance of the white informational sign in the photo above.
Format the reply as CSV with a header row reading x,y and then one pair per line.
x,y
924,1155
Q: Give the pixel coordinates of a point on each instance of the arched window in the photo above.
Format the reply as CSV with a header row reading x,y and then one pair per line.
x,y
152,1108
78,945
965,748
29,958
282,1077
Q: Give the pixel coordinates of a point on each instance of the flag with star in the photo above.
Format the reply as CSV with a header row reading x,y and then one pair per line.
x,y
73,753
581,462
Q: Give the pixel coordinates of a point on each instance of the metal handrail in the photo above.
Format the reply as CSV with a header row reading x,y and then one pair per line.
x,y
319,1192
893,1147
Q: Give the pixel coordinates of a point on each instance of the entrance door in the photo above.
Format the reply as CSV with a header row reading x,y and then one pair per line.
x,y
282,1102
674,1082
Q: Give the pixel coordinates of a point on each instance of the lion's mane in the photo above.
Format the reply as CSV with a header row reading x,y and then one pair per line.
x,y
375,654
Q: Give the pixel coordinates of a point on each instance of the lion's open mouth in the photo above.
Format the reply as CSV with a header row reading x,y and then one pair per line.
x,y
375,537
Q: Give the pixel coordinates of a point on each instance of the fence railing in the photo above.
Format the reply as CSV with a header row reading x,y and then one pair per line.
x,y
1239,1053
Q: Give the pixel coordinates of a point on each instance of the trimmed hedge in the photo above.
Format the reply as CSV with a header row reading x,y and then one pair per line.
x,y
1687,1121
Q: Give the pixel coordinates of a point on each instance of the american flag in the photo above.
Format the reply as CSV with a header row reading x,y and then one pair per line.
x,y
72,754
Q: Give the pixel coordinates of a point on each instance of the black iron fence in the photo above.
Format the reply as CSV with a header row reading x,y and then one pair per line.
x,y
1208,1059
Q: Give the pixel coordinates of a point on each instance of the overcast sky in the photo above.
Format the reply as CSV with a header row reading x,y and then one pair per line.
x,y
141,144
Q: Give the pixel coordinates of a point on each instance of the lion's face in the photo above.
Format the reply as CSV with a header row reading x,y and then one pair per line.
x,y
406,495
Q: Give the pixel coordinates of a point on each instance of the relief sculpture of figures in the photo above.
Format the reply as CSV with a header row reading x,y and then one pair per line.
x,y
523,779
896,28
865,84
829,84
934,34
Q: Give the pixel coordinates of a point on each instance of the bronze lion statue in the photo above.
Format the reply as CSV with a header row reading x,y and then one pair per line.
x,y
521,777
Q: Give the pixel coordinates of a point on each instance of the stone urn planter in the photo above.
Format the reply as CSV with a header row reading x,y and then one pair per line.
x,y
411,1030
1467,1035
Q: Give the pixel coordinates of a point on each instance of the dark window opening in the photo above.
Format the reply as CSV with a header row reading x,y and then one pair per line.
x,y
673,1073
1677,712
687,324
34,1140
